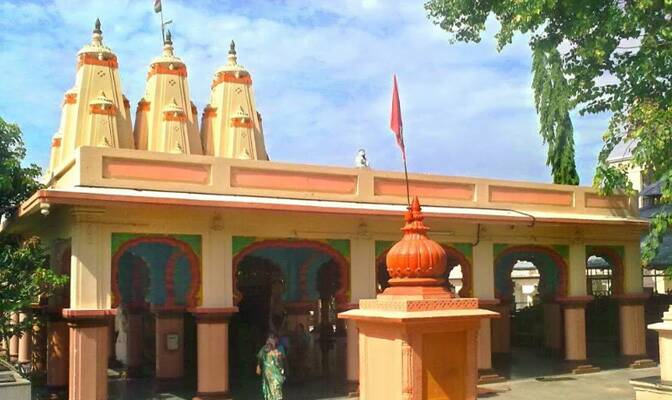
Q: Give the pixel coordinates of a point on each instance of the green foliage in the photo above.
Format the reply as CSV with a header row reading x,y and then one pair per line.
x,y
24,278
618,59
552,100
16,182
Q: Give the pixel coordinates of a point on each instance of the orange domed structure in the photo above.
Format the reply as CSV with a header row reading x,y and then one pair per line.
x,y
416,260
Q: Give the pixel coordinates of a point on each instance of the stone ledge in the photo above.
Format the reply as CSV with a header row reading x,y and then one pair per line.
x,y
651,388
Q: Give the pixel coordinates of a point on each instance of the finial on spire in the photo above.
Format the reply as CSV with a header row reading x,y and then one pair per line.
x,y
233,60
232,48
169,37
96,28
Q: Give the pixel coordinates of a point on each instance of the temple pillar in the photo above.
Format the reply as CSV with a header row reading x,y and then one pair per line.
x,y
363,286
169,343
89,352
24,354
213,352
135,343
484,289
574,311
58,348
90,304
632,326
14,340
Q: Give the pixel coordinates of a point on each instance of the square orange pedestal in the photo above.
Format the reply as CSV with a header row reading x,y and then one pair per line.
x,y
418,347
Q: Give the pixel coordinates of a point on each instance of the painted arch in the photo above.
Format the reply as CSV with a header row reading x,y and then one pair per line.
x,y
156,271
614,256
299,262
457,254
551,261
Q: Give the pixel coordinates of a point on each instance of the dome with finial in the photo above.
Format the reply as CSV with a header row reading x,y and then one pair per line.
x,y
232,65
168,56
96,46
416,260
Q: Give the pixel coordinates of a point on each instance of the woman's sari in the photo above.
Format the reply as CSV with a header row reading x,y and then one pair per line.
x,y
272,364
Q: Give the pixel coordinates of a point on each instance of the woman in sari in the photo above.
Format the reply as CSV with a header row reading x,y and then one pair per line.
x,y
271,367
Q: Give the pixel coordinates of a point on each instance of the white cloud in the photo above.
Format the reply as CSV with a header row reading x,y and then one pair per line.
x,y
322,76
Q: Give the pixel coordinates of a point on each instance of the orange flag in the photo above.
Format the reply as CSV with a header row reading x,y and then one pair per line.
x,y
395,119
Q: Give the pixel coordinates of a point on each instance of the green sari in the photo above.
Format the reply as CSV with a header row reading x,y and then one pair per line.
x,y
272,373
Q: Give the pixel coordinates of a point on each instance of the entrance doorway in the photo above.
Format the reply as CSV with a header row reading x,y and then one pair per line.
x,y
293,290
528,340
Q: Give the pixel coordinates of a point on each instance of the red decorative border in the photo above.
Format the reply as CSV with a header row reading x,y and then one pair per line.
x,y
341,294
194,265
558,260
91,59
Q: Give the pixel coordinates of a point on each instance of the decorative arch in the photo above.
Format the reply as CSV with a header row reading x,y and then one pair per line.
x,y
455,257
614,256
181,249
341,294
544,258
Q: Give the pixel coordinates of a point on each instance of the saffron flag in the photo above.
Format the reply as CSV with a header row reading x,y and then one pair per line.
x,y
395,119
157,6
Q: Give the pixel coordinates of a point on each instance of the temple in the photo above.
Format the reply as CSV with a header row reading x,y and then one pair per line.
x,y
186,246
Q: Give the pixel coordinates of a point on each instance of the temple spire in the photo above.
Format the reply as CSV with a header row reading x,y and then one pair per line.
x,y
97,37
168,45
233,59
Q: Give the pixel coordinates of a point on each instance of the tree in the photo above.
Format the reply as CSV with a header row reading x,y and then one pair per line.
x,y
553,102
618,60
24,272
16,182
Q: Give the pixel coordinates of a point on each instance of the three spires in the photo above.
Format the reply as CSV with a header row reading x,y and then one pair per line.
x,y
96,113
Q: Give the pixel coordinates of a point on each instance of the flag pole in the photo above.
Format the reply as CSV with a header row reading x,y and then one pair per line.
x,y
408,190
163,34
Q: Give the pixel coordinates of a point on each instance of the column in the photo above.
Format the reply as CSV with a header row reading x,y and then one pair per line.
x,y
213,352
14,340
89,351
24,354
631,306
484,289
90,300
363,286
574,310
169,344
58,347
135,342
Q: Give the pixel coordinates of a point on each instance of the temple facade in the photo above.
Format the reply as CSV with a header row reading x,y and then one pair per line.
x,y
193,241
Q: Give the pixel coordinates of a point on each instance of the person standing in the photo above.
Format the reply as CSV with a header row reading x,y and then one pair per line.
x,y
271,367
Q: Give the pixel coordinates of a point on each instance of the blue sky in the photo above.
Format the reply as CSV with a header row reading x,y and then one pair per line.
x,y
322,72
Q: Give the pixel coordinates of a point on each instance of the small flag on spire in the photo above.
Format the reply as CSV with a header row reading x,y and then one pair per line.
x,y
157,6
395,120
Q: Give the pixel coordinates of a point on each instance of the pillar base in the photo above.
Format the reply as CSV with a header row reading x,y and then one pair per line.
x,y
58,351
486,376
213,396
352,388
169,355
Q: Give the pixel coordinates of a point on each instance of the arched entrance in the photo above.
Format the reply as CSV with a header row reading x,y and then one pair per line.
x,y
458,275
155,278
604,281
293,289
528,280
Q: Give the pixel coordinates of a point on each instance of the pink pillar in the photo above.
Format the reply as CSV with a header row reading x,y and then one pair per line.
x,y
574,311
25,341
169,343
632,325
14,340
501,327
135,342
58,348
213,352
89,352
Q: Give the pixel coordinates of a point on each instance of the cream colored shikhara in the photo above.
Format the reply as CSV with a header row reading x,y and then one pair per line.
x,y
96,113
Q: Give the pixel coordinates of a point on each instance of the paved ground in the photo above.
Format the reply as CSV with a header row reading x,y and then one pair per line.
x,y
611,385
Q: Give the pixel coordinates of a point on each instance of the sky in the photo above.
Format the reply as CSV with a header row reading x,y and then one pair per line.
x,y
322,76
